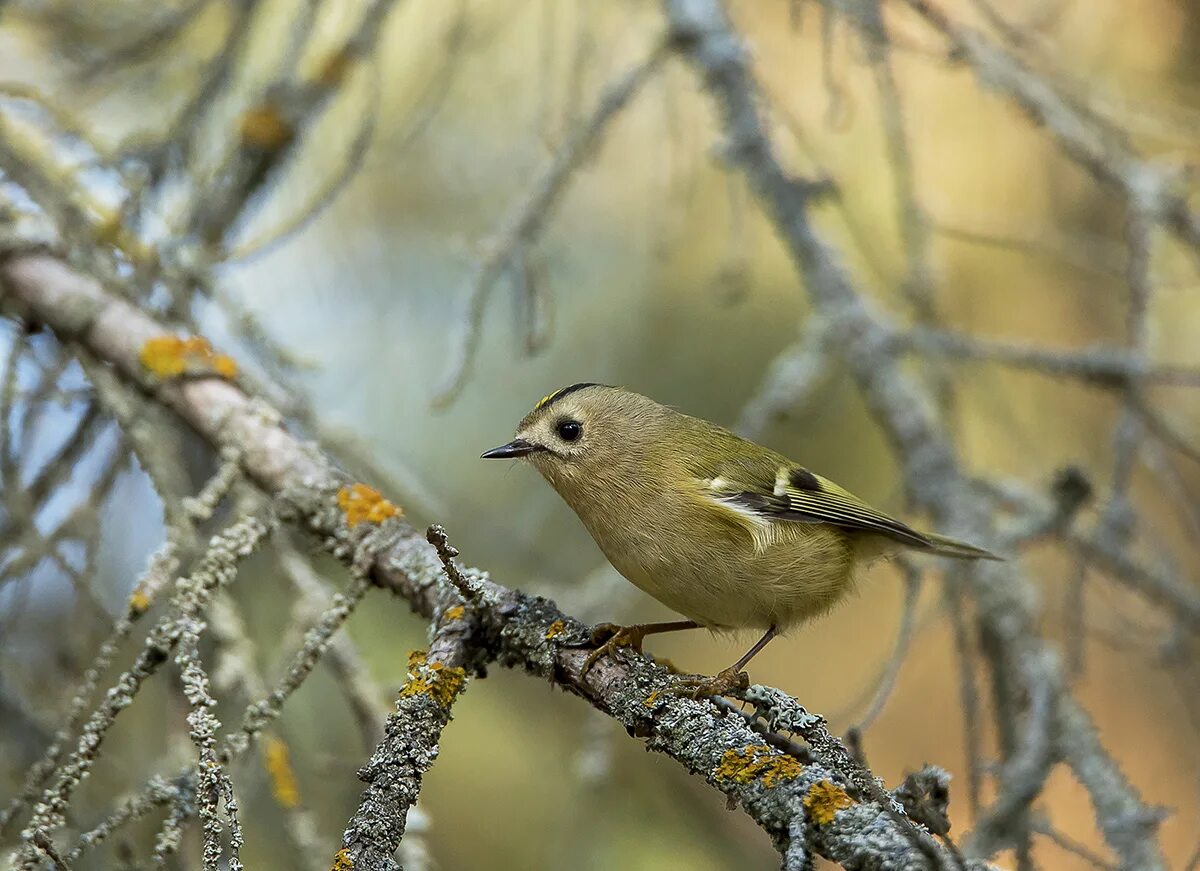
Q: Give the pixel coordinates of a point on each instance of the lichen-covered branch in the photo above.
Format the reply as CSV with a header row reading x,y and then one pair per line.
x,y
410,744
804,809
192,597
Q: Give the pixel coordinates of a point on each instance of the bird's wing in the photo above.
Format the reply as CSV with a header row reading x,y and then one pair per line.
x,y
787,492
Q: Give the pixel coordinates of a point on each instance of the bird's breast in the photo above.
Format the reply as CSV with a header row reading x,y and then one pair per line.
x,y
712,570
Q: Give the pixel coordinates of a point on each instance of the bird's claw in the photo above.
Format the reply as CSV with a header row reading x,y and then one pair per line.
x,y
721,684
610,638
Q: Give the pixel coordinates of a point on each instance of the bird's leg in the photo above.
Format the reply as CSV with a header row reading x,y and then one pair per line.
x,y
610,637
728,680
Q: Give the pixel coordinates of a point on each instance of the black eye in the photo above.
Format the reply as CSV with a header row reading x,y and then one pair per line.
x,y
569,430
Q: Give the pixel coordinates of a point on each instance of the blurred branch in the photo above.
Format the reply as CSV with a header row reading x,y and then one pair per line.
x,y
1084,137
192,597
793,382
179,793
1004,604
1103,366
157,575
354,680
270,130
524,222
886,681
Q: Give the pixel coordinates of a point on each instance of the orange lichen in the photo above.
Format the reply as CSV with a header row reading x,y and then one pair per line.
x,y
283,779
441,682
757,761
264,127
342,861
823,800
360,502
171,356
454,613
555,629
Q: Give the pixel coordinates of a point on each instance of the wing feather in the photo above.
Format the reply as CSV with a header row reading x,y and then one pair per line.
x,y
765,490
796,494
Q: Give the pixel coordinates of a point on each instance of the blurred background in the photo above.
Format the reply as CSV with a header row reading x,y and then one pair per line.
x,y
653,268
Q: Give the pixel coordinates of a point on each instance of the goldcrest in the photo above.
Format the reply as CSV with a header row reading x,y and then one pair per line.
x,y
726,532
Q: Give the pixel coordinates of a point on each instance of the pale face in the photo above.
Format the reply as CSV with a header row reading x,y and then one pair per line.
x,y
572,437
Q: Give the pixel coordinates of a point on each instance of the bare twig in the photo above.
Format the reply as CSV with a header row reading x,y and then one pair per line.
x,y
524,222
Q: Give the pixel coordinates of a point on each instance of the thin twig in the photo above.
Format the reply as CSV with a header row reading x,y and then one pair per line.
x,y
525,220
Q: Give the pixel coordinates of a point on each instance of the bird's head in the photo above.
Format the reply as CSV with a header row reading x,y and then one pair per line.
x,y
584,435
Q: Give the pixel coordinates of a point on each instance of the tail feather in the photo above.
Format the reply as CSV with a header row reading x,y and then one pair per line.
x,y
951,547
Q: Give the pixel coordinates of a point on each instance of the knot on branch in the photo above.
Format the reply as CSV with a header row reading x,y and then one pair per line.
x,y
925,797
692,26
1071,490
264,127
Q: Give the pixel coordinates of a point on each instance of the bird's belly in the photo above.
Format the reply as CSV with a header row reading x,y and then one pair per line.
x,y
791,581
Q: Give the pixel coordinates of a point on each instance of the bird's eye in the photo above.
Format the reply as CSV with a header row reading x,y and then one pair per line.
x,y
569,430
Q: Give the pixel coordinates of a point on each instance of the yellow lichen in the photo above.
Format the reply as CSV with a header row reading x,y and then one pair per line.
x,y
342,861
110,229
224,366
283,779
360,502
139,602
823,800
172,356
163,355
555,629
757,761
651,700
441,682
454,613
265,127
333,71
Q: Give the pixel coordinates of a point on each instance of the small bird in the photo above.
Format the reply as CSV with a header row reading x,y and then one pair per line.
x,y
722,530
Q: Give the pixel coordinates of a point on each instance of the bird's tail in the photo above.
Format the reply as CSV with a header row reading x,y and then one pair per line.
x,y
951,547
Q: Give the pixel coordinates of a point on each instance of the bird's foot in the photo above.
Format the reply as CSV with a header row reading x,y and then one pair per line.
x,y
610,637
720,684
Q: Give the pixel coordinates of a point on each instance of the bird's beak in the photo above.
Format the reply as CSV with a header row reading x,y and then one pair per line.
x,y
515,448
